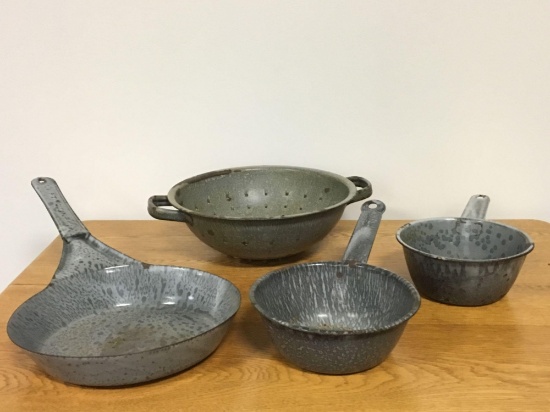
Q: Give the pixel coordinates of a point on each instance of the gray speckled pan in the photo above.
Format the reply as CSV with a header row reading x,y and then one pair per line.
x,y
337,317
109,320
464,261
261,212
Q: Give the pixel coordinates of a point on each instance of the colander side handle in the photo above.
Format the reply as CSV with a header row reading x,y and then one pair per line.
x,y
155,209
364,188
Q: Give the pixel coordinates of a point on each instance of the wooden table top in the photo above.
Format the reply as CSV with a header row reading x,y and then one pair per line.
x,y
495,357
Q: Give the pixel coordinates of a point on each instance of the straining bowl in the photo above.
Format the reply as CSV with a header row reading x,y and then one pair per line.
x,y
260,212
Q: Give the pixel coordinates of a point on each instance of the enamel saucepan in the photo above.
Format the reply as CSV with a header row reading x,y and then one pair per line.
x,y
337,317
464,261
106,319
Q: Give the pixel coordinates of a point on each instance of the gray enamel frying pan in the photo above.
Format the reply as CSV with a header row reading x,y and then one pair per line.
x,y
106,319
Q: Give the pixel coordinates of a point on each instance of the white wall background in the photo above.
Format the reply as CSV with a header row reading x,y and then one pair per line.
x,y
117,100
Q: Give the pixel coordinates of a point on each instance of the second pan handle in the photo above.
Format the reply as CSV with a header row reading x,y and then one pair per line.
x,y
362,239
477,207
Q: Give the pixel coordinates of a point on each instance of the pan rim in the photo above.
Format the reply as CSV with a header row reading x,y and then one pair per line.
x,y
338,333
352,190
159,348
529,241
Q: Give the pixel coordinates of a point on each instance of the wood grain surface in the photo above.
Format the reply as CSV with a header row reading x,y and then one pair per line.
x,y
491,358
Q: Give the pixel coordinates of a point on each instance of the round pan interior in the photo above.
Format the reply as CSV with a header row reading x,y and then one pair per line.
x,y
464,239
335,298
261,193
122,310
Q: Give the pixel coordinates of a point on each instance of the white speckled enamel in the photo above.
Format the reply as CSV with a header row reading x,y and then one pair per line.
x,y
109,320
335,317
334,298
128,312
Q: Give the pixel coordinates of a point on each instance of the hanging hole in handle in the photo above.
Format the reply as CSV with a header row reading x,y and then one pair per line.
x,y
373,205
41,180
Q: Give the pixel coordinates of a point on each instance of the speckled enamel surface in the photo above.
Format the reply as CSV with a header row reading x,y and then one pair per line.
x,y
460,261
335,317
266,239
334,354
109,320
263,193
263,212
124,318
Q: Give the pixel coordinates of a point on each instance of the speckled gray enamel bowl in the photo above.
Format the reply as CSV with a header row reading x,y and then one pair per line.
x,y
261,212
335,317
463,261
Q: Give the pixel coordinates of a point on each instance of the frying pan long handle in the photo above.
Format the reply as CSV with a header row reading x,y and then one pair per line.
x,y
362,239
364,188
477,207
66,220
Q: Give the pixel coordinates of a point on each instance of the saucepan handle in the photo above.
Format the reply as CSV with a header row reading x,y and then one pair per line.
x,y
364,188
477,207
156,210
362,239
67,222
